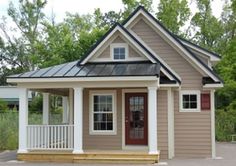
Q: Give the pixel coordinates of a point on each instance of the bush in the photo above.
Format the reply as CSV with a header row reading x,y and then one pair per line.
x,y
8,130
3,106
225,124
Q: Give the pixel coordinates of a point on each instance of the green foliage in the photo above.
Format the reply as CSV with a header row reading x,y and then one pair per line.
x,y
9,127
173,14
225,124
8,130
3,105
36,105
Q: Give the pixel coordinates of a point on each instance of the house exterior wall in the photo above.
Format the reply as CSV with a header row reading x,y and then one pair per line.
x,y
103,142
191,78
192,132
162,128
106,53
192,129
114,142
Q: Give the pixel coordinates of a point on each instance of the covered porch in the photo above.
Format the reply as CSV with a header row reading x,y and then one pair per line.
x,y
73,138
106,108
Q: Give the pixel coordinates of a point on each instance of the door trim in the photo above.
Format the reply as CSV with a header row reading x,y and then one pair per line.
x,y
144,140
130,147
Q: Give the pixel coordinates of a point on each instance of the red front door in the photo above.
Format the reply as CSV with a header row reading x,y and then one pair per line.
x,y
136,118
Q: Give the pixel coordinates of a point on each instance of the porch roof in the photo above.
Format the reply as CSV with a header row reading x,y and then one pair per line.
x,y
106,69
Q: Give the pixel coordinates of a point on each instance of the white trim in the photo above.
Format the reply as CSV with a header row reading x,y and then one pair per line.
x,y
213,85
203,52
130,59
157,56
117,28
199,67
152,120
169,85
171,139
120,45
78,120
124,146
213,143
45,108
23,120
82,79
114,106
189,92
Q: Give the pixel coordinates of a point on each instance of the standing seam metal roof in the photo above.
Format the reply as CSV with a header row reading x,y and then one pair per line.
x,y
72,69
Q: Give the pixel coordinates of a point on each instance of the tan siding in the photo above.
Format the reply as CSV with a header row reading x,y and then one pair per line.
x,y
192,132
191,78
102,141
106,52
162,128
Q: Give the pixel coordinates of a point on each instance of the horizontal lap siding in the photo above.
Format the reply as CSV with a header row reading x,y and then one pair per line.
x,y
162,128
191,78
192,132
102,141
106,52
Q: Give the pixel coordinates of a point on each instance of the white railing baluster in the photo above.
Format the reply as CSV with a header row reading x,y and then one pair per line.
x,y
50,137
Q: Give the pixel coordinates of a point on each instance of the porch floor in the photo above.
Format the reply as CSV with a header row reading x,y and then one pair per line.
x,y
91,156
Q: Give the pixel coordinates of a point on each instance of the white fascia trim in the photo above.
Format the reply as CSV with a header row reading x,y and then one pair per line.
x,y
213,85
83,79
157,56
117,28
209,55
169,37
169,85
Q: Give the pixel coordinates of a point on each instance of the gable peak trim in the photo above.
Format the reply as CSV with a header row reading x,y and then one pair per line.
x,y
199,64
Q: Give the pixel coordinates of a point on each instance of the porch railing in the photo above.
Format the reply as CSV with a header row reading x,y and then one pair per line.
x,y
50,137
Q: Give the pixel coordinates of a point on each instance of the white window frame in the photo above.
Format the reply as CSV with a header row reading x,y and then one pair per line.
x,y
189,92
118,45
91,112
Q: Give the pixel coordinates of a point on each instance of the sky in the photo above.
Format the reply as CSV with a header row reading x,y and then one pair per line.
x,y
60,7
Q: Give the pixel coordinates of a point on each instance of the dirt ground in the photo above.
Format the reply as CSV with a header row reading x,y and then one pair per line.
x,y
226,156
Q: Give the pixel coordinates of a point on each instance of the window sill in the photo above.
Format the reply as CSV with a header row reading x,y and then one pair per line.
x,y
102,133
189,110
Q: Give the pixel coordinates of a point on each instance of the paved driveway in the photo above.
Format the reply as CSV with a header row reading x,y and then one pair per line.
x,y
225,150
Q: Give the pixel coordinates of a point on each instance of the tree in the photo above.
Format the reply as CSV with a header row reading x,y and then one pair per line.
x,y
131,5
208,30
20,53
173,14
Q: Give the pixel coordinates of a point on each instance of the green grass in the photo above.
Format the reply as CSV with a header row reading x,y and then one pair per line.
x,y
9,127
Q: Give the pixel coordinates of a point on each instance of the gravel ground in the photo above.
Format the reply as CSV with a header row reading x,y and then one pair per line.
x,y
226,156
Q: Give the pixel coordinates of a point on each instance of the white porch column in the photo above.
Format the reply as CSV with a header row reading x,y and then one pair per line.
x,y
45,108
78,120
152,120
170,113
213,142
71,106
65,109
23,119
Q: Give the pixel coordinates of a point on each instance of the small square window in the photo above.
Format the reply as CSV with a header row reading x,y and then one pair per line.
x,y
189,101
119,51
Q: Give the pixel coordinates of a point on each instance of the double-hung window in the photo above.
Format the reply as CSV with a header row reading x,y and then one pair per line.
x,y
102,113
190,101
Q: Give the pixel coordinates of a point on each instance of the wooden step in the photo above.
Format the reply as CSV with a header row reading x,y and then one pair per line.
x,y
91,157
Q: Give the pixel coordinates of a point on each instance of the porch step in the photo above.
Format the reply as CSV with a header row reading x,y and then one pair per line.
x,y
117,158
91,157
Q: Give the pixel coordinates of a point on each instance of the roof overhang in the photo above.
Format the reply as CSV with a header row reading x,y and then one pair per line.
x,y
190,57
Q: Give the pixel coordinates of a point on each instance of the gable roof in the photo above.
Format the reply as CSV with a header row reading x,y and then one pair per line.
x,y
213,56
118,27
189,54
